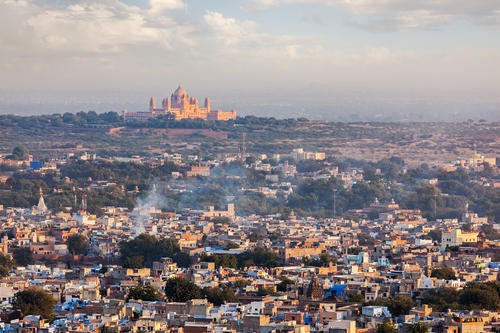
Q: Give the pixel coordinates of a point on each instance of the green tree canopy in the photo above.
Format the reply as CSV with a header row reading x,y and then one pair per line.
x,y
283,285
324,260
20,152
77,244
6,264
23,256
356,298
35,301
481,295
419,327
181,290
386,327
258,257
474,296
218,296
220,260
144,249
145,293
397,306
444,272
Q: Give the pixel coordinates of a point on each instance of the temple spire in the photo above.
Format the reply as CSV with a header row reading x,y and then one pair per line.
x,y
152,104
41,203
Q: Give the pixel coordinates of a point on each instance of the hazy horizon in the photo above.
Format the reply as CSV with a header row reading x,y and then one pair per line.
x,y
321,59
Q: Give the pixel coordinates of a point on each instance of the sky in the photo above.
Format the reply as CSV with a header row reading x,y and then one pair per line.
x,y
347,60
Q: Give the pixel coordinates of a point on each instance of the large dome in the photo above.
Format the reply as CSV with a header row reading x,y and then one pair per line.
x,y
180,91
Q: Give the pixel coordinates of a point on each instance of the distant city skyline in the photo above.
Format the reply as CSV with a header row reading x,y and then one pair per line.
x,y
321,59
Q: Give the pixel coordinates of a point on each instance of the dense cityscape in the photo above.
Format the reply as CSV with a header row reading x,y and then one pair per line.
x,y
290,241
249,166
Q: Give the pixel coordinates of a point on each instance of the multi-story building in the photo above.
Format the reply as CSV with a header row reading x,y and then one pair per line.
x,y
456,237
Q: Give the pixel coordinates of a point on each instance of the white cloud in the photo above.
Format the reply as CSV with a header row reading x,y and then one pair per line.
x,y
98,27
162,6
228,30
247,40
404,14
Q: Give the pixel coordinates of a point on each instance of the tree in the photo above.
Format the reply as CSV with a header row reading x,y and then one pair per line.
x,y
445,272
19,152
366,240
231,245
262,291
324,260
242,283
6,264
218,296
255,236
145,293
356,298
309,165
369,172
258,257
220,260
283,285
479,298
229,295
77,244
23,256
400,305
222,220
397,306
143,250
178,289
474,296
490,232
419,327
442,299
133,262
35,301
467,227
386,327
435,235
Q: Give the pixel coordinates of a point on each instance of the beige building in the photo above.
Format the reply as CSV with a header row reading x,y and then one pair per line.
x,y
181,106
299,154
456,237
466,325
229,212
342,326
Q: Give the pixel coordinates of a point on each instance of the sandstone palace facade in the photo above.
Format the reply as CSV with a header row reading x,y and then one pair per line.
x,y
182,106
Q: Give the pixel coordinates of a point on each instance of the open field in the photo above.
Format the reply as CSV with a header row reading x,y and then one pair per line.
x,y
415,142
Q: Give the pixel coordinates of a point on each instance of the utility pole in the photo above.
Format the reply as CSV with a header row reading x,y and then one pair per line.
x,y
435,206
334,203
244,146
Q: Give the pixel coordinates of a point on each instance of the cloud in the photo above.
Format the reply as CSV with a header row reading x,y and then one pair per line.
x,y
403,14
162,6
244,37
230,31
87,27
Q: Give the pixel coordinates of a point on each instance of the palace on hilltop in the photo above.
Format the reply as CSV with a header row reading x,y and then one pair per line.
x,y
182,106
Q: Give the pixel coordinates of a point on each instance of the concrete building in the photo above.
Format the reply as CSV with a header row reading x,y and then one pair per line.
x,y
456,237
